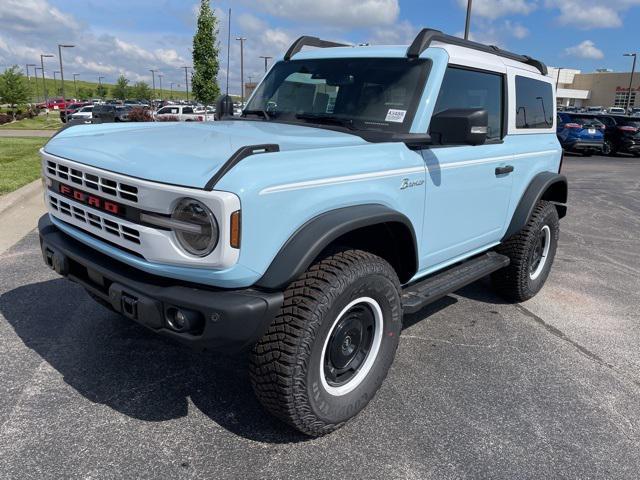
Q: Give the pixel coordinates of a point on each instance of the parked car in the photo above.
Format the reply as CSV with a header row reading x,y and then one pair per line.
x,y
54,103
108,113
84,115
71,109
622,134
595,110
616,111
635,112
182,113
580,133
380,180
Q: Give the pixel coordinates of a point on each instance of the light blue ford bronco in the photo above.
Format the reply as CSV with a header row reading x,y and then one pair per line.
x,y
359,184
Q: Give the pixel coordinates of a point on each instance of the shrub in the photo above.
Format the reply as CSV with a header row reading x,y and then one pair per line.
x,y
4,118
140,114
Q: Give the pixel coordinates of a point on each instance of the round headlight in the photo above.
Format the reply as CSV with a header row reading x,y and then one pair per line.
x,y
199,233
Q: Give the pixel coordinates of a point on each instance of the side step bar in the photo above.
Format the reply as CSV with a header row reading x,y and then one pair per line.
x,y
439,285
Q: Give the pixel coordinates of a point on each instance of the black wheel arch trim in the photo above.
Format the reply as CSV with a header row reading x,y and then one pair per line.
x,y
544,186
309,241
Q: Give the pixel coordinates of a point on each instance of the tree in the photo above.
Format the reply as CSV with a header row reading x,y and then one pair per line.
x,y
14,89
121,88
205,56
85,93
141,91
101,90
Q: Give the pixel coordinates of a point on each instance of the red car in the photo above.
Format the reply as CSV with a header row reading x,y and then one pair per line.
x,y
55,103
72,107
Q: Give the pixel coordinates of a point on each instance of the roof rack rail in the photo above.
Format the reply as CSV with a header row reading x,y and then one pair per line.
x,y
306,41
428,35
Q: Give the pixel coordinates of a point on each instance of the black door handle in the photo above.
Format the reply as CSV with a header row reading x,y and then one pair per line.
x,y
503,170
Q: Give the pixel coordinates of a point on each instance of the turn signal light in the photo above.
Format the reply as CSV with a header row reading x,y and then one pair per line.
x,y
235,229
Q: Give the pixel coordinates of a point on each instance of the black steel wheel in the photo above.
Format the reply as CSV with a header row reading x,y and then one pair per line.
x,y
330,347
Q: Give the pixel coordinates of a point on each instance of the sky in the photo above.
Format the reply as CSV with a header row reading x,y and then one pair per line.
x,y
130,37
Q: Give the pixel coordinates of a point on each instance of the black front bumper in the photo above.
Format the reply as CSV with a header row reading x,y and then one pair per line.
x,y
228,320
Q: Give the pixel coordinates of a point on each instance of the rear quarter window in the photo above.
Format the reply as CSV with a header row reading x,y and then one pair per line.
x,y
534,103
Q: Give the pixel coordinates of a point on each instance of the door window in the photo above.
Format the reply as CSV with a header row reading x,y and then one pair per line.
x,y
463,88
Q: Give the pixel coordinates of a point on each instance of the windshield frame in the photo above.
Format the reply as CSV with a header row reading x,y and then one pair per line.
x,y
370,134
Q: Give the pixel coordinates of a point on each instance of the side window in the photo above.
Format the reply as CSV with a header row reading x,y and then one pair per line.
x,y
462,88
534,103
187,110
164,110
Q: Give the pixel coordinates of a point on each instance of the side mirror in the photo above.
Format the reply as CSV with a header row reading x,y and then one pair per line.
x,y
224,107
460,126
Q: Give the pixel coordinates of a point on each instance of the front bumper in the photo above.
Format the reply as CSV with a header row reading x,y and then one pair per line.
x,y
228,320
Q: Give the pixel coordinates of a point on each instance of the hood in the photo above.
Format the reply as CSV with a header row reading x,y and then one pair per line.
x,y
181,153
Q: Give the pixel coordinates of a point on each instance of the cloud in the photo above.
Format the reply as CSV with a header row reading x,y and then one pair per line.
x,y
332,13
586,49
516,30
31,27
590,14
401,34
493,9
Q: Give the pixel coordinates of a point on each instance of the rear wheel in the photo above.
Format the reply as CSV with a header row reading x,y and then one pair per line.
x,y
330,347
531,252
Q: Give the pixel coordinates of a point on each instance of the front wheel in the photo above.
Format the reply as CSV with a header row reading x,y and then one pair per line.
x,y
531,251
607,148
330,347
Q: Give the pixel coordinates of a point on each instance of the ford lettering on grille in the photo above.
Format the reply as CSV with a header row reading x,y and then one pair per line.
x,y
91,200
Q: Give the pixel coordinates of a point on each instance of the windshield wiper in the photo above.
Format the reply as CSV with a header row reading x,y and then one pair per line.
x,y
257,112
328,119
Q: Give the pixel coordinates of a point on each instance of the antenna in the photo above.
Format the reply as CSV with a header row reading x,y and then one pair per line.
x,y
228,49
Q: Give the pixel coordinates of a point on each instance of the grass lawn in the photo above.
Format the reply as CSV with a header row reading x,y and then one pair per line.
x,y
19,161
41,122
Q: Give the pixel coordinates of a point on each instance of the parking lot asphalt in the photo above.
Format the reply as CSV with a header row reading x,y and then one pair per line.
x,y
479,389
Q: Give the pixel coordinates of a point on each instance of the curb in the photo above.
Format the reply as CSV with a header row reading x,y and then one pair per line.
x,y
11,199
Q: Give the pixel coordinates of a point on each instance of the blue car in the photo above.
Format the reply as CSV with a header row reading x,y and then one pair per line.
x,y
580,133
357,184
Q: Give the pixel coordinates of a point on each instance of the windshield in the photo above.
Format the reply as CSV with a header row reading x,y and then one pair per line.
x,y
379,94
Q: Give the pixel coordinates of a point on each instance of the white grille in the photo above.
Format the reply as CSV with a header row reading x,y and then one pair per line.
x,y
95,219
92,182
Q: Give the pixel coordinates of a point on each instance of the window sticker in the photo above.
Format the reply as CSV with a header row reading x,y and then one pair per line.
x,y
396,116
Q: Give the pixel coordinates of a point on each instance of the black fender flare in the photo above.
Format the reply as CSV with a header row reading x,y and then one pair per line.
x,y
544,186
306,243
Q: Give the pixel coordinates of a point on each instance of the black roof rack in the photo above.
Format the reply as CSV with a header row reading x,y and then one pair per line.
x,y
429,35
306,41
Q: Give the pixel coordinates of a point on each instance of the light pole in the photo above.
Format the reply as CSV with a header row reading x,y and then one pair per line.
x,y
44,84
75,87
55,80
153,80
266,59
241,40
633,69
160,77
64,99
30,65
171,90
100,84
467,24
186,81
35,75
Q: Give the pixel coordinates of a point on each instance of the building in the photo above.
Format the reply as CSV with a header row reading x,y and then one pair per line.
x,y
602,88
249,87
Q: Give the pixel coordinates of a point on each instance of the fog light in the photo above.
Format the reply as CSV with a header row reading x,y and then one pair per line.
x,y
181,320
